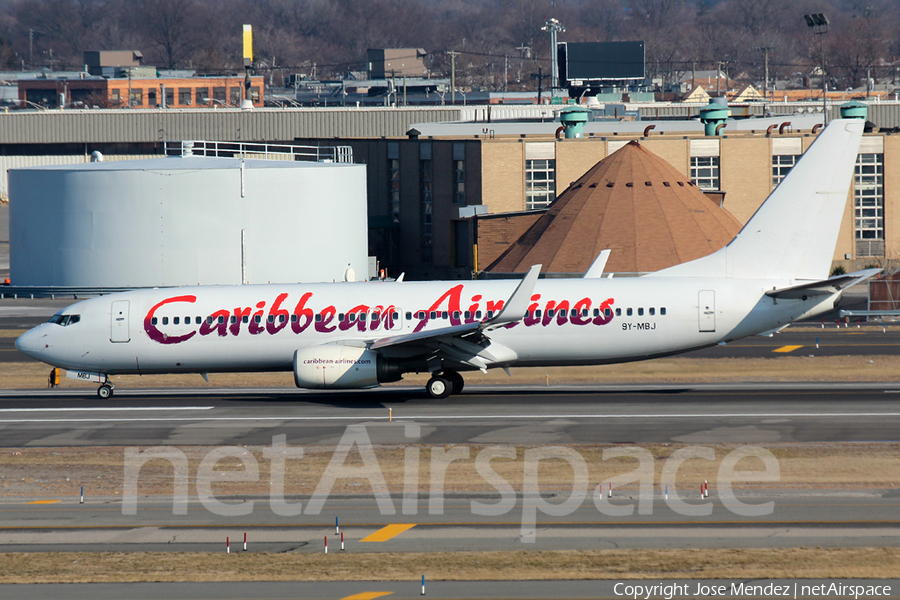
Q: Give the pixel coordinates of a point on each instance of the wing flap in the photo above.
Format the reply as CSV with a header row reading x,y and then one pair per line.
x,y
513,310
825,287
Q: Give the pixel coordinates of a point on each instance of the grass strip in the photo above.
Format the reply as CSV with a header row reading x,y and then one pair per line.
x,y
108,567
779,368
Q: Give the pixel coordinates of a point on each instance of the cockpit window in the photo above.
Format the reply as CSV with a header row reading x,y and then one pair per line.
x,y
65,320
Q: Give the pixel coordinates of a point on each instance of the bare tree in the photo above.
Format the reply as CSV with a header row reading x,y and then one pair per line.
x,y
169,25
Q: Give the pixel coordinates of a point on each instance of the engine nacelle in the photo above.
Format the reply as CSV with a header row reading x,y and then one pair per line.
x,y
338,366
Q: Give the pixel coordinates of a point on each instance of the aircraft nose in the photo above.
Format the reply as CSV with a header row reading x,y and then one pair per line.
x,y
32,342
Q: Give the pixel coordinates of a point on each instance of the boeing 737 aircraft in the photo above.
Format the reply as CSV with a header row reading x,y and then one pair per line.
x,y
358,335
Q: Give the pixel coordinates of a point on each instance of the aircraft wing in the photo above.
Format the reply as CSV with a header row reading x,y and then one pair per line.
x,y
825,287
469,343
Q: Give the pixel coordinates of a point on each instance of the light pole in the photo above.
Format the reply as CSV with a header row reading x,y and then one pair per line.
x,y
819,24
554,27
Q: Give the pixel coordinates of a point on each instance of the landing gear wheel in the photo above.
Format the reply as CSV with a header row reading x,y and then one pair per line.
x,y
105,391
456,379
439,387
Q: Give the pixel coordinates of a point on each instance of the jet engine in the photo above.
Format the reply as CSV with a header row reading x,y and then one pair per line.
x,y
338,366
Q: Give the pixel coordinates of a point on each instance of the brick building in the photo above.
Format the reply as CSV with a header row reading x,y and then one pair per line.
x,y
141,92
417,186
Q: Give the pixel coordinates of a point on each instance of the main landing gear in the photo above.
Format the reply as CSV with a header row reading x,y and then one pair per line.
x,y
441,385
106,390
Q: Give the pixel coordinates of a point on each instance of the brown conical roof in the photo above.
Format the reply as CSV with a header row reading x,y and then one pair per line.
x,y
632,202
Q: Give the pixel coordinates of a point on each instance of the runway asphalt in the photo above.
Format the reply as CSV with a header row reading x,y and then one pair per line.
x,y
449,590
642,414
799,518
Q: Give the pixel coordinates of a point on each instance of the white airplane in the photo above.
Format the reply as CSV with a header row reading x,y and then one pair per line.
x,y
358,335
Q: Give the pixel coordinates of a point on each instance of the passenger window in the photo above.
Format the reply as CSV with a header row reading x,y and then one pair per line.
x,y
271,318
596,312
232,320
550,312
395,316
618,312
187,320
175,321
584,312
351,317
628,311
245,319
537,314
221,320
652,311
282,318
408,316
293,318
153,321
641,312
433,315
468,314
318,317
362,317
478,314
209,320
490,314
444,315
165,320
256,319
574,313
662,311
198,320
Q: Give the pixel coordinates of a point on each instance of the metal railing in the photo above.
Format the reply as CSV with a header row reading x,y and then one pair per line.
x,y
337,154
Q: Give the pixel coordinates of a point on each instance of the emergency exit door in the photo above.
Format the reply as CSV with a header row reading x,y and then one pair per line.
x,y
707,310
119,322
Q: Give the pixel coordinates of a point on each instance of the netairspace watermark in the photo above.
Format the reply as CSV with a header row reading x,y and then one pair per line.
x,y
750,589
528,500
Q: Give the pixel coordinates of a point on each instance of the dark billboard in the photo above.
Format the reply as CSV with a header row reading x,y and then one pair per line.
x,y
600,61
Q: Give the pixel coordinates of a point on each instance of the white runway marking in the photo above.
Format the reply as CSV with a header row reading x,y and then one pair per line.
x,y
98,409
458,417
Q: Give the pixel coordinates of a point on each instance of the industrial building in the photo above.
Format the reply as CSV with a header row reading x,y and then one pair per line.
x,y
187,220
140,92
429,169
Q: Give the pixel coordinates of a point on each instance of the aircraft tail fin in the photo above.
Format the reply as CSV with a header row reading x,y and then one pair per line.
x,y
792,236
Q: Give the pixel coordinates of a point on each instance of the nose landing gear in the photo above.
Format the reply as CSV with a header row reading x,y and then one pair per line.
x,y
441,385
106,390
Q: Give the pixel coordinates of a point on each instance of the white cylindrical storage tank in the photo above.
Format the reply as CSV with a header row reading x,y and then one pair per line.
x,y
186,221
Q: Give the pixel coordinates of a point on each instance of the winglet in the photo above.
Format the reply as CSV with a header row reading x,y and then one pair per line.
x,y
595,271
517,305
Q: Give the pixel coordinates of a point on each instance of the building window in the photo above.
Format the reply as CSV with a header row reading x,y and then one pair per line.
x,y
219,95
459,173
235,96
705,172
170,97
184,96
202,96
540,183
426,198
114,98
781,165
151,97
869,204
254,95
136,97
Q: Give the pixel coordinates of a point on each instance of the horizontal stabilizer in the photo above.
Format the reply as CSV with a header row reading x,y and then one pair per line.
x,y
826,287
